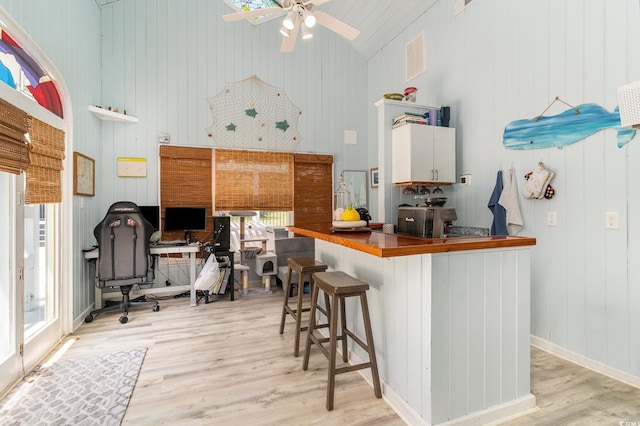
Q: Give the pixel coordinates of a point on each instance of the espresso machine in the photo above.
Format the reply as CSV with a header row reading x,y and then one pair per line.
x,y
425,222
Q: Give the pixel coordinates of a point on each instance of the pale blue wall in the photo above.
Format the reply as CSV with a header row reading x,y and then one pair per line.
x,y
502,60
68,32
498,61
162,59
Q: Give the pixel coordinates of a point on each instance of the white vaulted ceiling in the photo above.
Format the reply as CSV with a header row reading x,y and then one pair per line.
x,y
379,21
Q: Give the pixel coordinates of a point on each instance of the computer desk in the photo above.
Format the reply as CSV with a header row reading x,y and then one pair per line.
x,y
158,250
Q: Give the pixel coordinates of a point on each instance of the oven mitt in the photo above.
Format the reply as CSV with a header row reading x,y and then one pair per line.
x,y
549,191
537,182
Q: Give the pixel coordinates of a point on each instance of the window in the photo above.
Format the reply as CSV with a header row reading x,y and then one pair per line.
x,y
248,5
21,72
274,184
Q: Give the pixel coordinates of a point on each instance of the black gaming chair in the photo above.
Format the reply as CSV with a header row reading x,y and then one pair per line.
x,y
124,259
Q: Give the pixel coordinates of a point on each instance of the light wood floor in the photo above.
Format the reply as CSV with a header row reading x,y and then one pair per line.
x,y
224,363
568,394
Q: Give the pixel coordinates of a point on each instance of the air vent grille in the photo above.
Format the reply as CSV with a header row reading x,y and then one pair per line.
x,y
415,57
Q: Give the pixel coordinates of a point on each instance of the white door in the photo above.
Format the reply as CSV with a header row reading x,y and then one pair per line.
x,y
40,283
10,267
29,283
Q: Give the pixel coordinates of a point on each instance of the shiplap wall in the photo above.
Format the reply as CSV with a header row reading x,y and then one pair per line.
x,y
162,59
500,61
68,32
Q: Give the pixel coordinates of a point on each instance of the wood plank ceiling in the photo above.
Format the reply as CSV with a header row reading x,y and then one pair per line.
x,y
379,21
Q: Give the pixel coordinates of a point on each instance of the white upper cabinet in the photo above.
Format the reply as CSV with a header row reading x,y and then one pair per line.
x,y
423,154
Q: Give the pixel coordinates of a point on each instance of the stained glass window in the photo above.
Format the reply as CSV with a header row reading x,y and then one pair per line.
x,y
253,4
247,5
23,73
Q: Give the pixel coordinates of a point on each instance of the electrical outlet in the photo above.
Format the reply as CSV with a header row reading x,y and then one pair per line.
x,y
552,218
465,179
611,220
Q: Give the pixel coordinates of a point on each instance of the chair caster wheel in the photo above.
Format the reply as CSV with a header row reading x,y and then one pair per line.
x,y
88,319
156,308
123,319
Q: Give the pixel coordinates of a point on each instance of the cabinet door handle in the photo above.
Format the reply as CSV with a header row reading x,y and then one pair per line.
x,y
437,175
433,175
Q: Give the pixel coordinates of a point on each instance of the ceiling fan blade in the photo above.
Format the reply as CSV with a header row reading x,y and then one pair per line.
x,y
238,16
315,2
336,25
289,43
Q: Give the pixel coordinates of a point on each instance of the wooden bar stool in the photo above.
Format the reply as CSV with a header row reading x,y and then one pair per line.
x,y
338,286
303,266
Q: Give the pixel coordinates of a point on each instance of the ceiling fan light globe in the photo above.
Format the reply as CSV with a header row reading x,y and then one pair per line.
x,y
309,19
285,32
306,32
288,22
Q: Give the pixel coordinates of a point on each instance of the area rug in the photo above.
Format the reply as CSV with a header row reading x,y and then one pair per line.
x,y
79,392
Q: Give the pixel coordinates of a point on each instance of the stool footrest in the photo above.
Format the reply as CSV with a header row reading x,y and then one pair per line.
x,y
356,339
352,367
294,312
319,343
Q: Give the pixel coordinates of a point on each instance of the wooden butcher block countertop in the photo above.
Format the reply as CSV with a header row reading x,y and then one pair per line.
x,y
391,245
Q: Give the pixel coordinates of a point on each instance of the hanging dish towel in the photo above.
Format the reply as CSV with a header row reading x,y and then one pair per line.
x,y
538,181
509,200
499,224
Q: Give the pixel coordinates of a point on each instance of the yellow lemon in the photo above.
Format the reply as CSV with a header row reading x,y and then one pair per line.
x,y
350,214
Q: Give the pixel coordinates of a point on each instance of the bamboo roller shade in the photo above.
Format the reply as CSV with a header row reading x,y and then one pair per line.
x,y
313,189
41,158
253,180
185,181
14,123
44,174
246,180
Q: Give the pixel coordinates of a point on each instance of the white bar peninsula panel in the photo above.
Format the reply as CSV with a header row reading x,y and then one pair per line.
x,y
451,328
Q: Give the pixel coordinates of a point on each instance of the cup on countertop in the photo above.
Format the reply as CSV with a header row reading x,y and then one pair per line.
x,y
388,228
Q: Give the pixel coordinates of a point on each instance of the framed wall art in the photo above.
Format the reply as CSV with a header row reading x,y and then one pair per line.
x,y
374,177
356,184
84,175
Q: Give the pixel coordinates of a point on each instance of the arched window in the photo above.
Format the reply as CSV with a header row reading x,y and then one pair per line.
x,y
20,71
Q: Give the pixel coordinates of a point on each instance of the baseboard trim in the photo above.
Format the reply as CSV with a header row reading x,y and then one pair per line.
x,y
490,416
391,397
586,362
497,414
79,320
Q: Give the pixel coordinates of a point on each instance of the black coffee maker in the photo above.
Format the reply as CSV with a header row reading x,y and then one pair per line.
x,y
364,214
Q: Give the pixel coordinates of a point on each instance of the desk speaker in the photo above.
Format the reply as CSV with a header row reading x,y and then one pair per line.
x,y
221,233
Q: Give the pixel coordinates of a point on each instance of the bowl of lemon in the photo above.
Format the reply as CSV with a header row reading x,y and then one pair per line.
x,y
348,220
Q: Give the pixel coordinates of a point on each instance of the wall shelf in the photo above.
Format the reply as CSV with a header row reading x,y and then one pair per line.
x,y
105,114
403,104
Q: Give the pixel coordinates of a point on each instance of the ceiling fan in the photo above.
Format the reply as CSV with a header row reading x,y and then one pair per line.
x,y
301,15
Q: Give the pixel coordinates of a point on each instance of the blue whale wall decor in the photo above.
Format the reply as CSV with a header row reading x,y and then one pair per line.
x,y
564,129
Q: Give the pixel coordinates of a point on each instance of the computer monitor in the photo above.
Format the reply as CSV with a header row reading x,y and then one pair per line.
x,y
185,219
152,214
